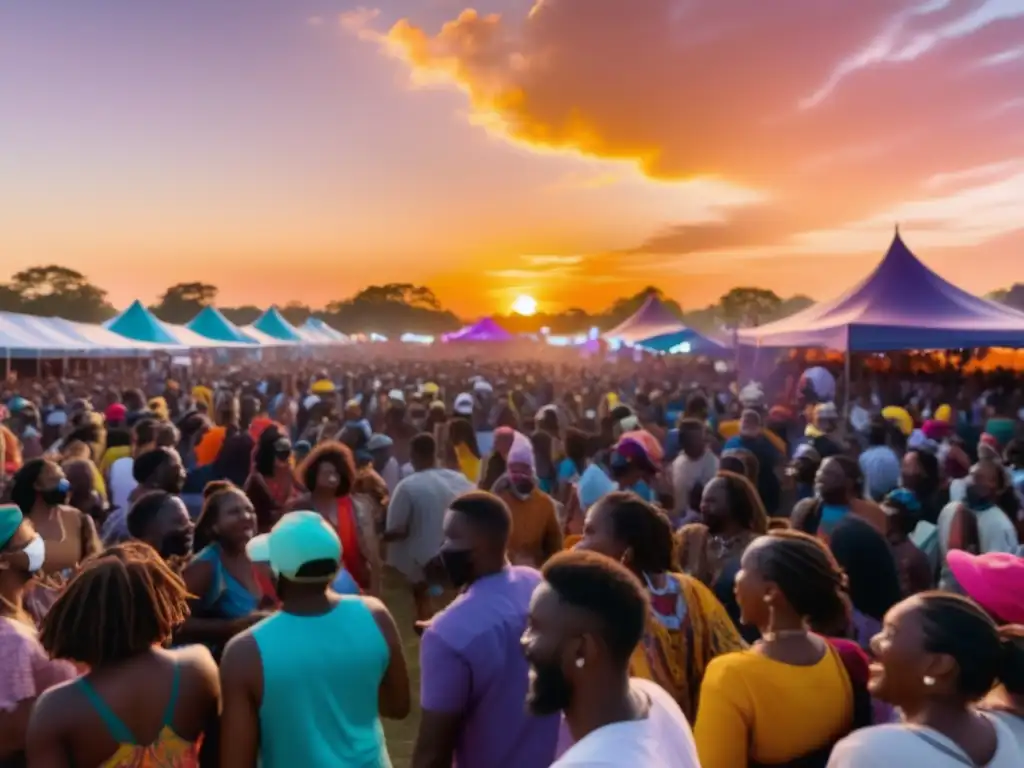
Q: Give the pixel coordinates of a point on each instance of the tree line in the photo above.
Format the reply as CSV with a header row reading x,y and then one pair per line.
x,y
392,308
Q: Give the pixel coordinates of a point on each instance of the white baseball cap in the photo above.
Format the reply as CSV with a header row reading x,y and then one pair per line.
x,y
464,404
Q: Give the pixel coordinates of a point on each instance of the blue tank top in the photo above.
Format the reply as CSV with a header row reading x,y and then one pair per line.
x,y
227,597
321,678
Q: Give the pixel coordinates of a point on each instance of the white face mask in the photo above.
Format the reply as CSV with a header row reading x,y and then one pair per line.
x,y
36,553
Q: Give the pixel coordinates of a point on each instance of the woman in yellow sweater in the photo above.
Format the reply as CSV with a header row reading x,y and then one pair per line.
x,y
789,698
686,626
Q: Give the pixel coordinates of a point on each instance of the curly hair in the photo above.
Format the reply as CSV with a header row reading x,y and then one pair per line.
x,y
122,603
337,454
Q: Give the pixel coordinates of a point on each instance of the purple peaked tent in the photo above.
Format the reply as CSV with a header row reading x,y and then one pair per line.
x,y
902,305
482,330
652,319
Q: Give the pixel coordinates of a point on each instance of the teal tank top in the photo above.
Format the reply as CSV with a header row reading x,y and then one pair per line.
x,y
321,680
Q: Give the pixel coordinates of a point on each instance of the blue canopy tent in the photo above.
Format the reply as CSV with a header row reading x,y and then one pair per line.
x,y
686,341
139,324
273,324
902,305
212,324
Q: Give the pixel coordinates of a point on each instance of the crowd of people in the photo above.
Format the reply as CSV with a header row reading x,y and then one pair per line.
x,y
611,564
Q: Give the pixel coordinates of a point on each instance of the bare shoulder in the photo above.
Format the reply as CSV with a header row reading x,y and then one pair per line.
x,y
53,707
197,662
241,656
381,615
197,657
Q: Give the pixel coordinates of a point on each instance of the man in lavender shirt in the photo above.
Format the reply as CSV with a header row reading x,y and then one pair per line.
x,y
474,674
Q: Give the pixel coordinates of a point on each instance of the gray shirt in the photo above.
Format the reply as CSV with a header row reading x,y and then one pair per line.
x,y
420,502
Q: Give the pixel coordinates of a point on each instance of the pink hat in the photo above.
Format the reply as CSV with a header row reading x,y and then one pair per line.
x,y
116,412
995,581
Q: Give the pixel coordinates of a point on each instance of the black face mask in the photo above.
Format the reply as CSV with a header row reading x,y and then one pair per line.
x,y
177,544
458,563
173,484
976,498
549,691
54,497
523,487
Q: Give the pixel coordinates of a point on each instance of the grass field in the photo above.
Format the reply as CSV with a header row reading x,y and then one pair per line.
x,y
401,736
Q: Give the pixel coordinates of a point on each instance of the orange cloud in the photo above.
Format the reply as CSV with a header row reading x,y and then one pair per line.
x,y
836,112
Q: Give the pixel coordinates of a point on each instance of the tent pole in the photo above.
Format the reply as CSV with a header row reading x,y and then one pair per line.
x,y
846,377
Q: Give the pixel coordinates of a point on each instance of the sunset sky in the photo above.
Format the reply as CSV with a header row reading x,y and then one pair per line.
x,y
572,150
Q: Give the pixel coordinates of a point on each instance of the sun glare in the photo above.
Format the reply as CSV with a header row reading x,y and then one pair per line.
x,y
525,306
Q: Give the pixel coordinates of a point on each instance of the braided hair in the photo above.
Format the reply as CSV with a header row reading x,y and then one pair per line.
x,y
643,528
122,603
808,576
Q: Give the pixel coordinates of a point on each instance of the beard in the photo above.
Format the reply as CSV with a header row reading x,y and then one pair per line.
x,y
549,690
176,544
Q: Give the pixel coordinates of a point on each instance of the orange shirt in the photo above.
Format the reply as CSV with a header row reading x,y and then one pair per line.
x,y
209,447
536,534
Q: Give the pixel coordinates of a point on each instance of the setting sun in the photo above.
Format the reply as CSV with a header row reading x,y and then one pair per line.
x,y
525,306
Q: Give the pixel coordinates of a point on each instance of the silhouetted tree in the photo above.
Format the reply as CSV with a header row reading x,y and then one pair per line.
x,y
55,291
181,302
1011,297
748,307
296,313
391,309
244,315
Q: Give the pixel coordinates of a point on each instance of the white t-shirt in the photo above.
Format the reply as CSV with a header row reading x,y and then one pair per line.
x,y
121,483
883,745
661,740
688,473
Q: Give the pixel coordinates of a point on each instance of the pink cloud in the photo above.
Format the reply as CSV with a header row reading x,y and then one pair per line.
x,y
835,113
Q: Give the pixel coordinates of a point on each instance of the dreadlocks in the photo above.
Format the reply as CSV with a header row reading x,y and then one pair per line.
x,y
122,603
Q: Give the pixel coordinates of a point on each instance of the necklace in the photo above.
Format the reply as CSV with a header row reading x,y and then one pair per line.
x,y
719,545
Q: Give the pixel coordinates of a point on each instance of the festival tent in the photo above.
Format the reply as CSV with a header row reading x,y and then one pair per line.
x,y
323,329
19,342
139,324
686,341
482,330
262,339
71,339
902,305
192,340
652,320
211,324
272,323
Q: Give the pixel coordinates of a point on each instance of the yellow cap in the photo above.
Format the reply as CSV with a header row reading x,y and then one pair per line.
x,y
900,418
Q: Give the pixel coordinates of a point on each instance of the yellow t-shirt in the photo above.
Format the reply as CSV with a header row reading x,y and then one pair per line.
x,y
753,708
469,464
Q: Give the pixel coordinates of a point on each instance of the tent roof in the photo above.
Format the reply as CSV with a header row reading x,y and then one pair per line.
x,y
653,318
902,305
212,324
698,343
484,329
318,326
139,324
272,323
101,339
